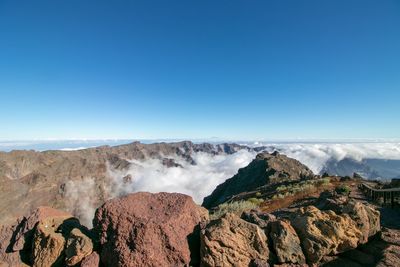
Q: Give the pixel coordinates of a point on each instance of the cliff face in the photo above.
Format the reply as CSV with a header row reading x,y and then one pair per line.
x,y
265,169
29,179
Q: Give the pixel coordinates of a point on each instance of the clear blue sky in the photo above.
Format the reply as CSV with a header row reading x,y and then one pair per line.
x,y
199,69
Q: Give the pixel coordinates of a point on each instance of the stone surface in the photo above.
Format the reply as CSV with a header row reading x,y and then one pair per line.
x,y
324,232
262,219
49,240
367,219
145,229
390,257
286,243
231,241
48,245
16,240
93,260
26,227
78,247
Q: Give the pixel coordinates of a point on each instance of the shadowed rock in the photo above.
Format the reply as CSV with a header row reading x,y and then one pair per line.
x,y
286,243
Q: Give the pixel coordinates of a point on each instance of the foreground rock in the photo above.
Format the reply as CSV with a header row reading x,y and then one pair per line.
x,y
263,170
231,241
145,229
16,241
286,243
78,247
39,239
324,232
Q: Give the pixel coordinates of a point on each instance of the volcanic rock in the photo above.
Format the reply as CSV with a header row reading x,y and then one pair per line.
x,y
324,232
266,169
260,218
286,243
26,227
231,241
78,247
93,260
367,219
16,240
145,229
49,242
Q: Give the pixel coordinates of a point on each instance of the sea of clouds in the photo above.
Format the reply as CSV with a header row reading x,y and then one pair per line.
x,y
316,155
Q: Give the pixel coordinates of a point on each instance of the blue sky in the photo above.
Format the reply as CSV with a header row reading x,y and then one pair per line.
x,y
199,69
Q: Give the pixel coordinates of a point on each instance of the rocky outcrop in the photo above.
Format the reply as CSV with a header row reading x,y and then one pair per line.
x,y
266,169
40,239
324,232
286,243
259,218
16,240
145,229
366,218
78,247
48,244
59,241
231,241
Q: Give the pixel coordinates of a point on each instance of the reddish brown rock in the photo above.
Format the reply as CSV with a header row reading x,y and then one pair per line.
x,y
93,260
391,236
8,257
231,241
145,229
390,257
16,240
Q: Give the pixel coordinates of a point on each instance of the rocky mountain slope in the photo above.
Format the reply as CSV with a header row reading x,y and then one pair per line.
x,y
29,179
265,169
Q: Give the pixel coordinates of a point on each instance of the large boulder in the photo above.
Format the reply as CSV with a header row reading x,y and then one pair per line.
x,y
367,219
231,241
145,229
265,169
286,243
324,232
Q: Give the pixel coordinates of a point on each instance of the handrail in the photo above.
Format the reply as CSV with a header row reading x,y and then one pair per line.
x,y
381,190
387,194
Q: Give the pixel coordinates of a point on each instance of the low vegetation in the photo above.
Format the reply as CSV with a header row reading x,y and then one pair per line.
x,y
343,190
303,186
236,207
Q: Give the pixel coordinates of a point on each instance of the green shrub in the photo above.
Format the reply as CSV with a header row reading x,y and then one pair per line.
x,y
343,190
256,201
236,207
258,194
